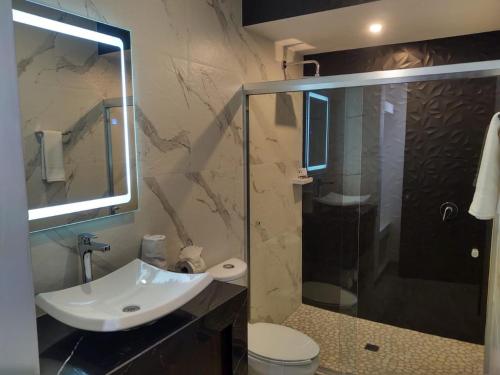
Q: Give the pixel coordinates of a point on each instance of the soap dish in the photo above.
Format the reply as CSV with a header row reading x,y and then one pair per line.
x,y
302,180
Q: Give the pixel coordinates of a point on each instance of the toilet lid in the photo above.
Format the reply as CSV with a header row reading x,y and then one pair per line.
x,y
280,343
228,270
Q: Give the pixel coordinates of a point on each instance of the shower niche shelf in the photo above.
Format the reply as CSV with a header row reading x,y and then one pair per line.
x,y
302,180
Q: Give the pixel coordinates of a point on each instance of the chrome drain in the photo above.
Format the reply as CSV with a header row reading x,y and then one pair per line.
x,y
131,308
228,266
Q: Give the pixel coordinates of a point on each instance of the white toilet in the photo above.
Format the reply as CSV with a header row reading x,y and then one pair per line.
x,y
273,349
276,349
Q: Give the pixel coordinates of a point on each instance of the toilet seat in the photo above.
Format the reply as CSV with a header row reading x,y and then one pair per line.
x,y
281,345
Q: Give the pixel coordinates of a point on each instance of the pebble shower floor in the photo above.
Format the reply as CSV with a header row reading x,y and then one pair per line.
x,y
343,339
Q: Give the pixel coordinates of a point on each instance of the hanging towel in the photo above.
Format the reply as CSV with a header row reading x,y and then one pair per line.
x,y
485,203
52,156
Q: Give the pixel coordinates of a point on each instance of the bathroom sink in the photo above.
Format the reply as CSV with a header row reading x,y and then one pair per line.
x,y
133,295
335,199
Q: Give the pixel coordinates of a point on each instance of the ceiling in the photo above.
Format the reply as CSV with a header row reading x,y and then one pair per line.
x,y
403,21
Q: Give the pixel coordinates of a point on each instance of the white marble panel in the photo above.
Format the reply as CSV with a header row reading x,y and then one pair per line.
x,y
276,142
275,203
215,117
163,116
275,128
199,204
276,278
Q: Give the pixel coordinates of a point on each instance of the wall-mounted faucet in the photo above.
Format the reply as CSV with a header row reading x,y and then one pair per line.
x,y
85,248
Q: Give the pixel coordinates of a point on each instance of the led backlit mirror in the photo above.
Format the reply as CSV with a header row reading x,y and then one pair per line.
x,y
76,101
316,142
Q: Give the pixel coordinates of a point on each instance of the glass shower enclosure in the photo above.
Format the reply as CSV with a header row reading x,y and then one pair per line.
x,y
374,256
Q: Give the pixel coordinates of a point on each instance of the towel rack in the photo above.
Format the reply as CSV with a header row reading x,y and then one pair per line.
x,y
39,135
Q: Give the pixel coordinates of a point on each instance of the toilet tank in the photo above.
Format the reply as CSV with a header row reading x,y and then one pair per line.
x,y
233,271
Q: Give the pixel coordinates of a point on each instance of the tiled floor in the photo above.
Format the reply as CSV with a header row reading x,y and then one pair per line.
x,y
401,352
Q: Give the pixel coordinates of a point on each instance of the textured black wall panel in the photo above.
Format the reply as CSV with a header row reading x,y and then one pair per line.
x,y
455,50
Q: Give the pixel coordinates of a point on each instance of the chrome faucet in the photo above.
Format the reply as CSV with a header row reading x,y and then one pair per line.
x,y
85,248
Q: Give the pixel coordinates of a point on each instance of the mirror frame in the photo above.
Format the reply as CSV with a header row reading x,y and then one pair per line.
x,y
325,99
64,214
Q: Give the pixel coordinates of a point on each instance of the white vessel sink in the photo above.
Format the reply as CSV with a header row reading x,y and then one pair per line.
x,y
133,295
334,199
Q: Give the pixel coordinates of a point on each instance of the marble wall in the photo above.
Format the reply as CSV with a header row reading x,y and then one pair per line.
x,y
275,206
190,58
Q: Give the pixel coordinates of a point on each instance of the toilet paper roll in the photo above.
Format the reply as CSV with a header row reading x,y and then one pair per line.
x,y
190,260
154,250
184,266
187,266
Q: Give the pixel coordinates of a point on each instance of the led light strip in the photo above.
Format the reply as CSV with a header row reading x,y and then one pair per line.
x,y
79,32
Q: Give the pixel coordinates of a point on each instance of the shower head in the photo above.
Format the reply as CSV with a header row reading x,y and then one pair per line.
x,y
286,64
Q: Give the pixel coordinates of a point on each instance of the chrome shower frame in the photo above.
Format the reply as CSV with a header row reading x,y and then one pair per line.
x,y
452,71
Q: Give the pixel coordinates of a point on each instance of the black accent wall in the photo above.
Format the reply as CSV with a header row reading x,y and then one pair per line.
x,y
455,50
258,11
446,123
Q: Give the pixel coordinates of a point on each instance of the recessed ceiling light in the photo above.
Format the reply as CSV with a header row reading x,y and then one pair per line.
x,y
375,28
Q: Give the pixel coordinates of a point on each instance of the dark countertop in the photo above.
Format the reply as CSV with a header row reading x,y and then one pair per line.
x,y
66,350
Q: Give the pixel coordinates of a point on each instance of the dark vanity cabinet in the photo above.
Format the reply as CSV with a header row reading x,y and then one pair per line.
x,y
208,336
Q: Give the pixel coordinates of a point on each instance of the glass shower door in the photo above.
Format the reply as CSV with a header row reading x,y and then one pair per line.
x,y
304,238
376,259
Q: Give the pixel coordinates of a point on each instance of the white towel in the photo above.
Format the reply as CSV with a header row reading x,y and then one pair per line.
x,y
486,197
154,250
52,156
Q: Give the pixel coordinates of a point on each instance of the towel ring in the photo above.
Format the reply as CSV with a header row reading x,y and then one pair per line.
x,y
39,135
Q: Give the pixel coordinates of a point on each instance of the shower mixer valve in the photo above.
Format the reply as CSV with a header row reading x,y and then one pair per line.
x,y
449,210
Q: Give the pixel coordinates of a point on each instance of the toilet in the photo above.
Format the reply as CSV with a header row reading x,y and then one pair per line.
x,y
276,349
273,349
